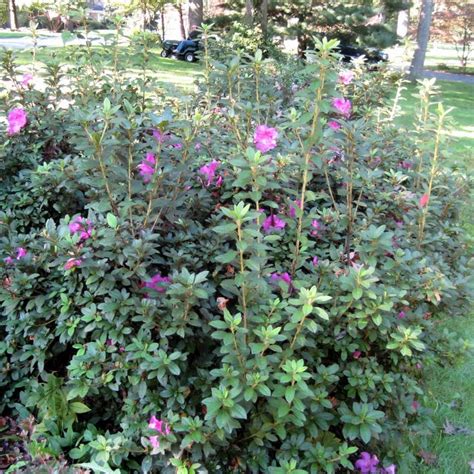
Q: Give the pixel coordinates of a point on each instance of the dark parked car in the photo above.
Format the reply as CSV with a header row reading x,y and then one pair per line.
x,y
372,55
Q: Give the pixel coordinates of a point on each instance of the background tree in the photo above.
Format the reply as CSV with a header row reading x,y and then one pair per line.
x,y
453,22
195,13
422,39
367,22
12,15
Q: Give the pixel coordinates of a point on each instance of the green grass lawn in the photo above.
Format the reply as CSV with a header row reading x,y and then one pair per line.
x,y
450,389
460,96
451,393
167,71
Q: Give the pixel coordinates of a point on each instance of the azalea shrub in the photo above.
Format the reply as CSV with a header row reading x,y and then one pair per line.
x,y
249,277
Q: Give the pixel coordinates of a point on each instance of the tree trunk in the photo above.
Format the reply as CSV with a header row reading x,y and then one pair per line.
x,y
12,13
264,12
195,14
162,15
248,12
422,38
181,20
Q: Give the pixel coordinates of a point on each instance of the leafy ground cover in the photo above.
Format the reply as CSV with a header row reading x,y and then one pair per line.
x,y
285,224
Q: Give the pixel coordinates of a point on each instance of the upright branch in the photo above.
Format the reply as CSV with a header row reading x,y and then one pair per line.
x,y
434,167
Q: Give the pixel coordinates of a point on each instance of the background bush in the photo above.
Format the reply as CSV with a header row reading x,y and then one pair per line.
x,y
273,311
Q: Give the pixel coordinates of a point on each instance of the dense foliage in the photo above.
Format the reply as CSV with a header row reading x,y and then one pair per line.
x,y
248,278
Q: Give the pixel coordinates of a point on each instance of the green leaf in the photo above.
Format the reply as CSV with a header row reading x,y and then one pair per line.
x,y
78,407
112,220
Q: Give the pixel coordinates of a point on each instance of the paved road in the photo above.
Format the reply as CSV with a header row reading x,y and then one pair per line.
x,y
447,76
54,41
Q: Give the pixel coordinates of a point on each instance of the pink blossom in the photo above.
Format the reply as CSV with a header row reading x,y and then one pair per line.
x,y
285,277
154,441
346,77
334,125
72,263
147,167
407,165
209,171
121,349
265,138
159,425
390,469
367,464
219,181
155,424
419,366
292,211
415,405
80,226
401,314
26,80
158,283
197,147
316,225
356,354
273,223
159,136
16,120
9,260
20,253
343,106
315,261
424,200
178,146
109,342
399,224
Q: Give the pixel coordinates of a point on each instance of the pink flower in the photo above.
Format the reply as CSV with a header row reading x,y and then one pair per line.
x,y
147,167
415,405
367,464
334,125
343,106
346,77
20,253
219,181
285,277
389,469
159,136
407,165
356,354
315,261
197,147
209,171
273,222
80,226
292,212
419,366
155,424
265,138
401,314
9,260
72,263
424,200
158,283
16,120
26,80
178,146
159,425
316,225
155,444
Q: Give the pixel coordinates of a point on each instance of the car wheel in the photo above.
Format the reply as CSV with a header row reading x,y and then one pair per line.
x,y
189,57
164,53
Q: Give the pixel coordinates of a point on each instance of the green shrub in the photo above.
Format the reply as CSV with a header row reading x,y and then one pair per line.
x,y
183,288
